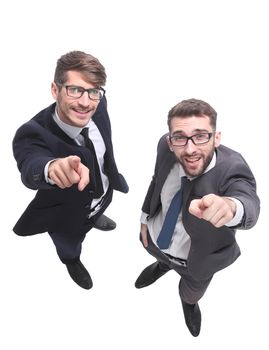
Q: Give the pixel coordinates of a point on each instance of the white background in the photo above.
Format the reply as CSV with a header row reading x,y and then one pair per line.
x,y
156,53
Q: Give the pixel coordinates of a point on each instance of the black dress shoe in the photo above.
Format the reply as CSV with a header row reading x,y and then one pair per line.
x,y
103,223
192,316
150,274
79,274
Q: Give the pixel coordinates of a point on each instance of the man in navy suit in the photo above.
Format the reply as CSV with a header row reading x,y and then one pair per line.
x,y
218,196
65,152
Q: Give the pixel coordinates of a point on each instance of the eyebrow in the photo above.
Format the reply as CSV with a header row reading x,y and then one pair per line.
x,y
193,132
81,87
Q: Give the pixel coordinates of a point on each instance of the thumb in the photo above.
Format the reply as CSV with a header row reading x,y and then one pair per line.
x,y
144,234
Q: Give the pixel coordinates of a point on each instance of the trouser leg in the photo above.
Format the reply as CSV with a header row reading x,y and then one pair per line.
x,y
68,247
190,290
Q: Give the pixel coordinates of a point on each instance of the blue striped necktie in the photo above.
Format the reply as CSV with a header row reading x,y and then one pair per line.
x,y
171,218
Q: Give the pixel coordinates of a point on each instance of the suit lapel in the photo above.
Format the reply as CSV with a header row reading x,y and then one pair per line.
x,y
100,118
167,160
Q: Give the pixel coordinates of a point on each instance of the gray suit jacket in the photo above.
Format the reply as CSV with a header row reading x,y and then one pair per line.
x,y
212,248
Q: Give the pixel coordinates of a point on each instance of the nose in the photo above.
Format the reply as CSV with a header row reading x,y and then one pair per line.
x,y
84,100
190,147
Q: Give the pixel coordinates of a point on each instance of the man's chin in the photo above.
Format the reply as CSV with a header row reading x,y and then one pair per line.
x,y
192,171
81,121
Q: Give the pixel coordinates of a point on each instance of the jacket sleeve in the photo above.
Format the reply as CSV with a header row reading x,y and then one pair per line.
x,y
32,154
161,154
241,184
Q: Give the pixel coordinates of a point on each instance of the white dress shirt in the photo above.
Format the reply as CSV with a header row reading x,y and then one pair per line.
x,y
180,243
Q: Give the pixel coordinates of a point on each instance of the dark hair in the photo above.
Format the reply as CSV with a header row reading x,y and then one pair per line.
x,y
193,107
92,70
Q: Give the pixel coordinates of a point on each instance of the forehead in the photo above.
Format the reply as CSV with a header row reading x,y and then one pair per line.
x,y
77,78
190,124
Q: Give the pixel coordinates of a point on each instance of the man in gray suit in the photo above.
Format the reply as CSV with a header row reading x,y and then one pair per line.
x,y
216,194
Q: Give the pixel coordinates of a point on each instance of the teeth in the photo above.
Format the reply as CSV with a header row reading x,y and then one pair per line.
x,y
79,111
192,160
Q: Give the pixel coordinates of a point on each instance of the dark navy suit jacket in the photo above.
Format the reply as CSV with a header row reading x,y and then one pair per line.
x,y
53,209
212,248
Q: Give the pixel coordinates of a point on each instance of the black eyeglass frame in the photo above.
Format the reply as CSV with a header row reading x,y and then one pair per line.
x,y
187,138
101,92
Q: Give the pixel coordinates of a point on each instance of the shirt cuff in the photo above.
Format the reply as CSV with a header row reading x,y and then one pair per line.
x,y
236,220
48,180
144,218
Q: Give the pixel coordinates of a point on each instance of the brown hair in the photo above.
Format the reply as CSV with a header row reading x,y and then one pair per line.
x,y
193,107
88,65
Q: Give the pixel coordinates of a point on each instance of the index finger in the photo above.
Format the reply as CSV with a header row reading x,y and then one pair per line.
x,y
84,173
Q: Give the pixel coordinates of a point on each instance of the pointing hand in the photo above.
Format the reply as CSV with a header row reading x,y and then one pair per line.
x,y
65,172
215,209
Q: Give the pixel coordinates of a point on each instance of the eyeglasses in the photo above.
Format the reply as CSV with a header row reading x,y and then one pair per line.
x,y
197,139
94,94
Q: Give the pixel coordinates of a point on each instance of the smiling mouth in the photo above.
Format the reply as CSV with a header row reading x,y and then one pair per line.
x,y
192,160
82,111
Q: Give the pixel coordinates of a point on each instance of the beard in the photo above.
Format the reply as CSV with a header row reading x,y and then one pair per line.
x,y
196,164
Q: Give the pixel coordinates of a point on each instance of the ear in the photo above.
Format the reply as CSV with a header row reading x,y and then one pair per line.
x,y
169,144
54,90
217,138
